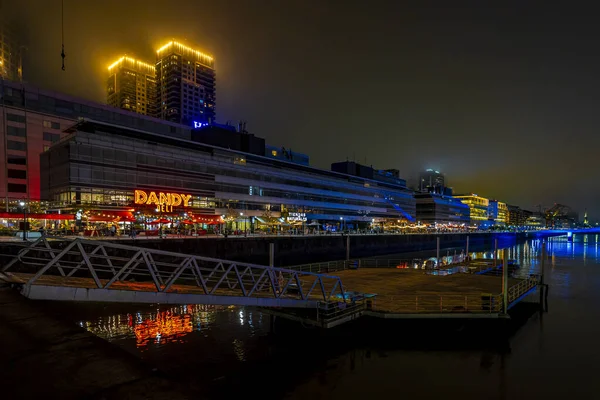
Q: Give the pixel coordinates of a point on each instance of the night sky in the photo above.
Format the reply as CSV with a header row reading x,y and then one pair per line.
x,y
503,99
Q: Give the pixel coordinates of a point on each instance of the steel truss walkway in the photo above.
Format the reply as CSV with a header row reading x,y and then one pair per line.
x,y
90,270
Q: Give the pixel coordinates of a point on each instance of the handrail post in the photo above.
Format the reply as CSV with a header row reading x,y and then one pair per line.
x,y
505,281
542,265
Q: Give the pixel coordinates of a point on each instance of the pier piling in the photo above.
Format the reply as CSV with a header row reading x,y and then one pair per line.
x,y
467,251
348,247
495,253
504,280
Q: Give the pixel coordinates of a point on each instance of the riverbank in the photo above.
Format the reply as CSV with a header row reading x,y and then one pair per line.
x,y
45,356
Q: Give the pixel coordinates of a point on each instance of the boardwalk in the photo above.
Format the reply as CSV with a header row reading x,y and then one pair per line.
x,y
409,291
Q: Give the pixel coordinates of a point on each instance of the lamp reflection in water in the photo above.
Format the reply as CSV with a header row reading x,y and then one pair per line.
x,y
156,327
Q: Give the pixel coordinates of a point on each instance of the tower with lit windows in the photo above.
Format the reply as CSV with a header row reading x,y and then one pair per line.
x,y
185,80
10,52
131,85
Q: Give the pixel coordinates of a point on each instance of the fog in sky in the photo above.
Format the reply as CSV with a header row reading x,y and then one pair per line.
x,y
501,96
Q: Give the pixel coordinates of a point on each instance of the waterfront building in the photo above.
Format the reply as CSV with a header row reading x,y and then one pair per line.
x,y
431,180
517,216
10,53
478,207
131,85
536,220
186,85
497,212
433,208
32,119
123,170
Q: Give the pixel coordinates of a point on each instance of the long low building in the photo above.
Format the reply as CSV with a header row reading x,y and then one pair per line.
x,y
101,166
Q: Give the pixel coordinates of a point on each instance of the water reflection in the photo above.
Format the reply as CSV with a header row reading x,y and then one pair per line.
x,y
170,325
205,345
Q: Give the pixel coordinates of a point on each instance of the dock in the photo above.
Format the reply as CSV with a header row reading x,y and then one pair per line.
x,y
324,294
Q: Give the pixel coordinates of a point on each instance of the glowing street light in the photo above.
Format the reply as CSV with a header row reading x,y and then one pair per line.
x,y
22,204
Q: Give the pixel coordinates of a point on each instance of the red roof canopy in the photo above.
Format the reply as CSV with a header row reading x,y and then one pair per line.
x,y
12,215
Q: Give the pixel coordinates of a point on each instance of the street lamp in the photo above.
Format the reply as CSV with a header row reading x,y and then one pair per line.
x,y
22,204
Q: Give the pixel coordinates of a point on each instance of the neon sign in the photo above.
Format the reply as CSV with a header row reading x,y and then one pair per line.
x,y
199,124
164,202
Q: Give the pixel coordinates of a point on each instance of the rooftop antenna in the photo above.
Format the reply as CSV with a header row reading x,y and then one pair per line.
x,y
62,54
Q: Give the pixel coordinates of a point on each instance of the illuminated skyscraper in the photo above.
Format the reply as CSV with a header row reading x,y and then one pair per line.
x,y
131,85
10,53
186,85
431,181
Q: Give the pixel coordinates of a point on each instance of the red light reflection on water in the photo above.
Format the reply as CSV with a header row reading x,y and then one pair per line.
x,y
166,327
155,328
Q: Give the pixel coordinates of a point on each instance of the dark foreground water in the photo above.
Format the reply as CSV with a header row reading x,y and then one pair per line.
x,y
227,352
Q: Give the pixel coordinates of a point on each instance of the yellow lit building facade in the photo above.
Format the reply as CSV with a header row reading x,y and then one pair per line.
x,y
478,206
186,85
502,216
10,54
131,85
485,210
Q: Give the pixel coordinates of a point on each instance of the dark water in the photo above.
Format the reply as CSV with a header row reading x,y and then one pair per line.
x,y
229,352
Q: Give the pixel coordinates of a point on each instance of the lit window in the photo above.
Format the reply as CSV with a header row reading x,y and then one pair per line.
x,y
274,153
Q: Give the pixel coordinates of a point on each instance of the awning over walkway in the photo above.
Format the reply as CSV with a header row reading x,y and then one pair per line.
x,y
12,215
109,215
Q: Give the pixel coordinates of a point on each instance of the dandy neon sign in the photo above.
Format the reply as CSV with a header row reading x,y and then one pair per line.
x,y
163,201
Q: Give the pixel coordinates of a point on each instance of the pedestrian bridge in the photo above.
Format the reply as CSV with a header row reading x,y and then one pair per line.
x,y
91,270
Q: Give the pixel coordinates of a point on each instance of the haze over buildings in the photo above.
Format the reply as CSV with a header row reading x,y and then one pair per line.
x,y
484,93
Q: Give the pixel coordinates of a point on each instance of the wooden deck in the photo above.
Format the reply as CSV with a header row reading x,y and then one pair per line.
x,y
390,281
414,292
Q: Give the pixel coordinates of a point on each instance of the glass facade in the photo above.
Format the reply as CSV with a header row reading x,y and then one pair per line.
x,y
478,206
31,120
434,208
102,165
132,86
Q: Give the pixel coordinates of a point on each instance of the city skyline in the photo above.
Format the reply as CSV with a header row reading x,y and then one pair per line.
x,y
493,126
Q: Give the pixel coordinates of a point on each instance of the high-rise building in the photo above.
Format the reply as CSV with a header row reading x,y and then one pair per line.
x,y
431,181
186,85
131,85
10,53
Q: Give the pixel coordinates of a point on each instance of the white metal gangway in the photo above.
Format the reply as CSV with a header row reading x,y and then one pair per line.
x,y
91,270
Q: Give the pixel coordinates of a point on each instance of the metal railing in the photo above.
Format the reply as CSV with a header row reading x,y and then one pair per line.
x,y
438,304
400,263
109,265
522,288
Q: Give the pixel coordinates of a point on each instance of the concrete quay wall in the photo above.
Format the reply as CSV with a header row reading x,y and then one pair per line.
x,y
308,249
294,250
